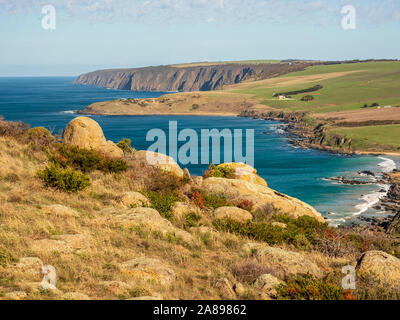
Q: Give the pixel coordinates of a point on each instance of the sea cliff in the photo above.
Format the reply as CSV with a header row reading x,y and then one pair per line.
x,y
185,78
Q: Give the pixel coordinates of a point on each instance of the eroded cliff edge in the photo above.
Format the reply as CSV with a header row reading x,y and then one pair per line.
x,y
186,78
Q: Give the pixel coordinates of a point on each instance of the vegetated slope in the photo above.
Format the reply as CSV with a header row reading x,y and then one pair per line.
x,y
181,78
364,96
149,233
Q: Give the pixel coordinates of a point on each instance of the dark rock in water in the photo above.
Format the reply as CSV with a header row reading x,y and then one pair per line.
x,y
344,180
368,173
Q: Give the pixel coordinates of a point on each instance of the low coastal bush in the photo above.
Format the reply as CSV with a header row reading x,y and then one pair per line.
x,y
307,287
220,172
192,219
13,129
302,232
210,200
249,270
125,145
67,180
86,160
307,98
163,201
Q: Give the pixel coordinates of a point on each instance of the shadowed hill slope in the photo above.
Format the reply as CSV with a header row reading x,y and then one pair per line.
x,y
190,78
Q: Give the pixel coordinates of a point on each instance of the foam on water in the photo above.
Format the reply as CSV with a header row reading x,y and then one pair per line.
x,y
388,165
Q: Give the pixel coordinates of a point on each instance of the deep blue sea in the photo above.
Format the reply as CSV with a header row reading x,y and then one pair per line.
x,y
50,102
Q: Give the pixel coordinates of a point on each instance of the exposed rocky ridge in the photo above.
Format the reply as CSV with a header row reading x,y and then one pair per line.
x,y
191,78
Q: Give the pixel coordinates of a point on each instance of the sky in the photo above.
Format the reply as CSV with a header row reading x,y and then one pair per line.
x,y
100,34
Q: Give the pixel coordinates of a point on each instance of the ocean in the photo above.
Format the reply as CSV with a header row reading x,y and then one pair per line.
x,y
304,174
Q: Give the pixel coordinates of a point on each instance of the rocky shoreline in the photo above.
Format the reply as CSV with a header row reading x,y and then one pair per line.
x,y
306,138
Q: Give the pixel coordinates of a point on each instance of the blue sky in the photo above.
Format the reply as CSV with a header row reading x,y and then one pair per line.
x,y
97,34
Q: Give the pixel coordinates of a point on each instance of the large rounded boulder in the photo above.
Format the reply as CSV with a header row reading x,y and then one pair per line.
x,y
86,133
383,267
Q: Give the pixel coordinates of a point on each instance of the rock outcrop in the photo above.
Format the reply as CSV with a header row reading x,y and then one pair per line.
x,y
232,213
161,161
260,197
185,78
86,133
380,265
151,219
267,283
244,172
133,199
284,263
149,269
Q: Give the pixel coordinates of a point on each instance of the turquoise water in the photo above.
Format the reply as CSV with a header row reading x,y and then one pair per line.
x,y
299,173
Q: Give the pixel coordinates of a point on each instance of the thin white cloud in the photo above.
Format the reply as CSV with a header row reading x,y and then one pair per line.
x,y
221,11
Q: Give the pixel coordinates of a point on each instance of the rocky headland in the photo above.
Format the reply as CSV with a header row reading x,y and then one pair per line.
x,y
186,77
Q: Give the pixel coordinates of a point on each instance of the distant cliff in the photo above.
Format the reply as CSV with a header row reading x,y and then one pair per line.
x,y
185,78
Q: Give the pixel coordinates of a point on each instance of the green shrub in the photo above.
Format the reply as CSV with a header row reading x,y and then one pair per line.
x,y
163,201
307,98
81,159
307,287
114,165
214,200
302,232
125,145
67,180
220,172
86,160
192,219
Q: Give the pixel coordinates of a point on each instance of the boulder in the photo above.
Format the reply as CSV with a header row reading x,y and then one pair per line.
x,y
86,133
161,161
74,296
380,265
59,211
116,287
225,288
133,199
31,266
244,172
232,213
149,269
151,219
283,263
49,245
146,298
239,289
180,209
15,295
74,241
260,196
267,283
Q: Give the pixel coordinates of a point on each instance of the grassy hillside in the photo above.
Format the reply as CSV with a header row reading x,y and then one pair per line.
x,y
345,88
363,83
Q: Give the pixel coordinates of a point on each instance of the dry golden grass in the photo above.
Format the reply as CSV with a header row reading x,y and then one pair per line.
x,y
86,245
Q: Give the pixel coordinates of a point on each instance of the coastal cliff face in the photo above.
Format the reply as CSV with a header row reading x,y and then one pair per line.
x,y
190,78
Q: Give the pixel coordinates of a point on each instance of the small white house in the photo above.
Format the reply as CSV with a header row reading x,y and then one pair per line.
x,y
282,97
